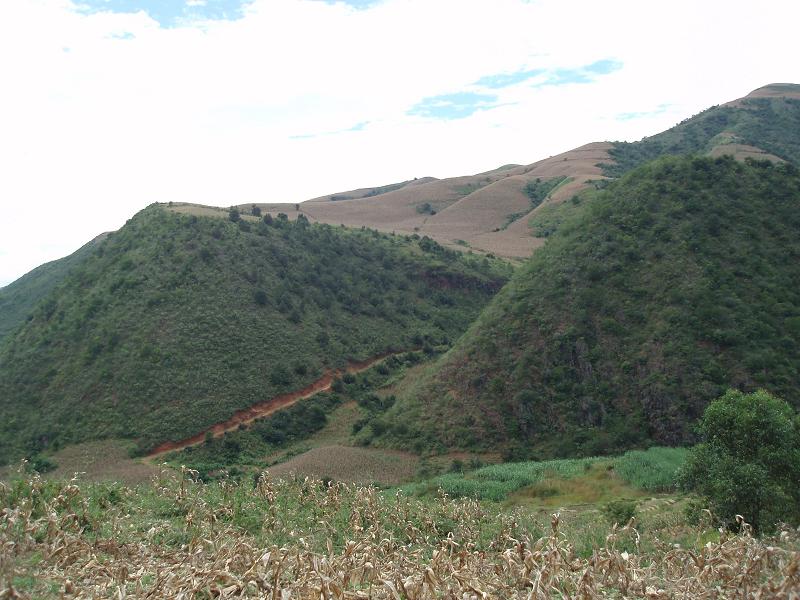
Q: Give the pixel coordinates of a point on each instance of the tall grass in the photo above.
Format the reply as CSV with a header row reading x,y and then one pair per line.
x,y
652,470
496,482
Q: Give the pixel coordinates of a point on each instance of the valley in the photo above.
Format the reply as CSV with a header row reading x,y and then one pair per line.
x,y
129,338
571,378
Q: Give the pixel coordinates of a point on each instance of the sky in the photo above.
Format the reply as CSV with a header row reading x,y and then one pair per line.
x,y
107,106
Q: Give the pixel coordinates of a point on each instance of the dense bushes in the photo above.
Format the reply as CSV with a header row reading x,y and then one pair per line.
x,y
538,190
663,290
767,123
177,321
248,446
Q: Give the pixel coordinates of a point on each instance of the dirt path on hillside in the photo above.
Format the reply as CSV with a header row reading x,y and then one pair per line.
x,y
265,408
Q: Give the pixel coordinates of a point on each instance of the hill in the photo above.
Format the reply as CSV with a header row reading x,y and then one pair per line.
x,y
674,283
175,322
485,211
763,124
491,212
18,298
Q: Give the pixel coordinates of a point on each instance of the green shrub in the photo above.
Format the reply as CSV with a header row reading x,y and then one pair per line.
x,y
40,464
207,310
620,512
538,190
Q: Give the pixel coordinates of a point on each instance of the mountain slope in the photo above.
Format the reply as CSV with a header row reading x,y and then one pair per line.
x,y
175,322
18,298
766,122
487,211
490,211
676,282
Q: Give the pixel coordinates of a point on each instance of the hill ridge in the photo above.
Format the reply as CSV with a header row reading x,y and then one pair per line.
x,y
175,322
473,211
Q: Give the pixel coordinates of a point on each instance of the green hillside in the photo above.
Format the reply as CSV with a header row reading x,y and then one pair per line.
x,y
674,283
18,298
176,321
770,124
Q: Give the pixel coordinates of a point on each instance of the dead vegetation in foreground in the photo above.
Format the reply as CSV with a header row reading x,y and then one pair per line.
x,y
304,539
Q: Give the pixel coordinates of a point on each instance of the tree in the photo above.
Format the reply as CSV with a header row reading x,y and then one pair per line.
x,y
280,376
749,461
233,214
255,211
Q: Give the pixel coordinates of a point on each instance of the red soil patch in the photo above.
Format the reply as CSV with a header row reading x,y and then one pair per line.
x,y
267,407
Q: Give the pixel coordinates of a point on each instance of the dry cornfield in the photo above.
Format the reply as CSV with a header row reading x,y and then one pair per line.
x,y
276,539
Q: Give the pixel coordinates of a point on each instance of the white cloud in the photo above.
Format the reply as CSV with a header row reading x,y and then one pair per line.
x,y
102,114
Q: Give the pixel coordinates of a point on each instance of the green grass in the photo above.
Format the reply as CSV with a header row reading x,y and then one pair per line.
x,y
175,321
652,470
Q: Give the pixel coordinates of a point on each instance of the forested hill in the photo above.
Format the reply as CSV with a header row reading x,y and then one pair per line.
x,y
174,322
18,298
676,282
767,120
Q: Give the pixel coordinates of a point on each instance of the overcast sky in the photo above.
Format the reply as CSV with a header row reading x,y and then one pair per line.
x,y
109,105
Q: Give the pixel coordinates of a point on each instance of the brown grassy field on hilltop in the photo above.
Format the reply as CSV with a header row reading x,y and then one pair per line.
x,y
489,212
486,212
772,90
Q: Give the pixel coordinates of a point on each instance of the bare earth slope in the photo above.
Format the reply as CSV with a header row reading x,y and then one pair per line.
x,y
773,90
487,211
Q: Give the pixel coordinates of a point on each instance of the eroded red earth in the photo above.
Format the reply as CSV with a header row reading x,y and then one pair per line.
x,y
267,407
